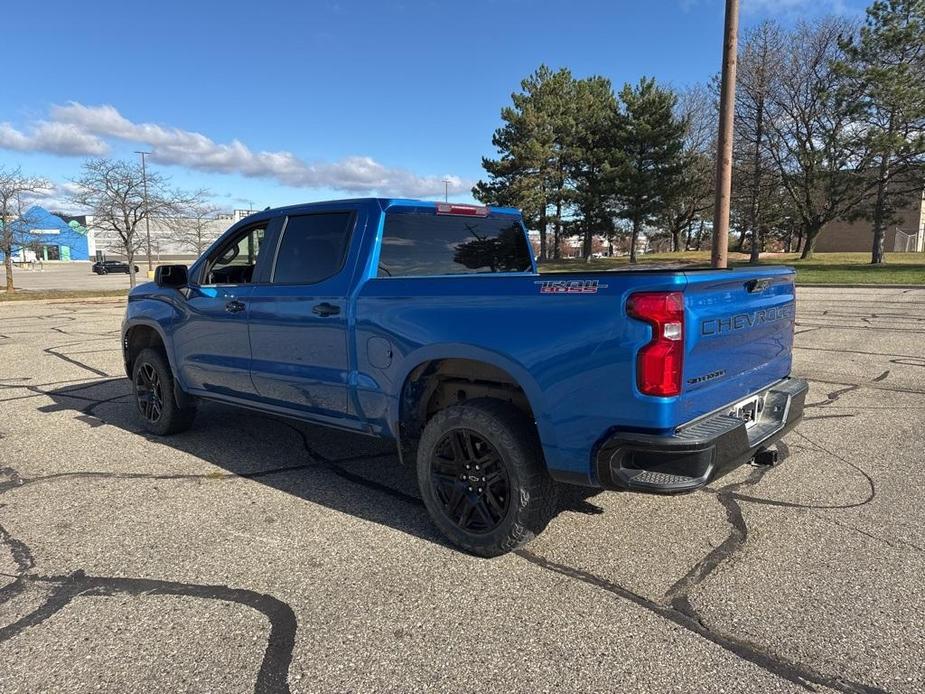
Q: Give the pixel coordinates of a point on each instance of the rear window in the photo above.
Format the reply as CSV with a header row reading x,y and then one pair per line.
x,y
312,248
424,243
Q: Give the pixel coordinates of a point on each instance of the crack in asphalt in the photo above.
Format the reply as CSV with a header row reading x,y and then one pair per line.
x,y
679,610
274,668
856,351
76,362
797,673
676,605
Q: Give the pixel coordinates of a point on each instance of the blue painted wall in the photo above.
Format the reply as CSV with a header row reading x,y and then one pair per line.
x,y
71,236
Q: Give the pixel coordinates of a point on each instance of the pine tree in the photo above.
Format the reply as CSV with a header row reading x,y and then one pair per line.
x,y
650,146
593,158
885,68
533,144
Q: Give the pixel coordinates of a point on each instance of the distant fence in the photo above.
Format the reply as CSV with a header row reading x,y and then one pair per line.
x,y
903,242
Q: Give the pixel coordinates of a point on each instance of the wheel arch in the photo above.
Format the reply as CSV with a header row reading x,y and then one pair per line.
x,y
142,334
137,337
432,376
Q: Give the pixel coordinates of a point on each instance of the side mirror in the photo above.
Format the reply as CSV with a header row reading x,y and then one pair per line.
x,y
174,276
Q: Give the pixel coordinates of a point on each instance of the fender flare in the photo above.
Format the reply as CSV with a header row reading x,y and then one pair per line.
x,y
159,329
456,350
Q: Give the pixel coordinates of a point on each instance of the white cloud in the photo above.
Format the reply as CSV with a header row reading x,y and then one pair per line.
x,y
79,129
56,197
53,137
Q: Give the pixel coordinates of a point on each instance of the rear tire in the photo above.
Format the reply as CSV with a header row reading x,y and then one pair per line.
x,y
482,477
153,386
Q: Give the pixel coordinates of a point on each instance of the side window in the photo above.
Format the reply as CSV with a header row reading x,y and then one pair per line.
x,y
312,248
235,261
425,243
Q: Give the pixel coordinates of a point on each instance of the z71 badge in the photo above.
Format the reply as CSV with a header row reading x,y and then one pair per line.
x,y
570,286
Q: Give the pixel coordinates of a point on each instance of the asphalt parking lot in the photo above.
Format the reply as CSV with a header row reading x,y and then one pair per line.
x,y
257,554
73,275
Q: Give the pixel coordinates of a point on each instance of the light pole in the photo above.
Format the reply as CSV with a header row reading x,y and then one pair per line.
x,y
720,250
144,183
446,190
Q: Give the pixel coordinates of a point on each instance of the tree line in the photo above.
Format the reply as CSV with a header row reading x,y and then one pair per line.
x,y
829,125
122,199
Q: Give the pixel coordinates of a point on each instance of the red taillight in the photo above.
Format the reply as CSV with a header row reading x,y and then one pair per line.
x,y
659,364
468,210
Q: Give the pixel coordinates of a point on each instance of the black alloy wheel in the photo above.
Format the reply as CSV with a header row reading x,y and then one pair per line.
x,y
148,393
470,481
162,413
483,478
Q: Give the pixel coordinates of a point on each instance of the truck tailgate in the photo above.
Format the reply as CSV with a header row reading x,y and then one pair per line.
x,y
738,334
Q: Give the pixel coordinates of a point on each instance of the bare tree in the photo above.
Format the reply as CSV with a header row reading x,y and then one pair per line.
x,y
113,192
822,162
15,189
196,227
692,197
757,188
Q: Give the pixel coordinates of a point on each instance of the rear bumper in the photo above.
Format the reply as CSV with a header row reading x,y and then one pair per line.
x,y
700,451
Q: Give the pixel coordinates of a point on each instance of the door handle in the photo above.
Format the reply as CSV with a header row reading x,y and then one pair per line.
x,y
324,310
234,306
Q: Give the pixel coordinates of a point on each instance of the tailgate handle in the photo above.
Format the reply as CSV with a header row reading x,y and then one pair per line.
x,y
757,285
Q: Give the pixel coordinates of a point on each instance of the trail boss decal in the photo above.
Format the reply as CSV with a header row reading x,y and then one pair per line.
x,y
740,321
570,286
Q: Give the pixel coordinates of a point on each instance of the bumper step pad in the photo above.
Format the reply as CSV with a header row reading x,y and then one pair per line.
x,y
702,450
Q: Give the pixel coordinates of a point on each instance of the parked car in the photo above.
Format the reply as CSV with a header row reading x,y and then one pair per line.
x,y
427,323
104,267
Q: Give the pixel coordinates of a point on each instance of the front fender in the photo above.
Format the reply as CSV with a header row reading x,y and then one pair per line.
x,y
158,314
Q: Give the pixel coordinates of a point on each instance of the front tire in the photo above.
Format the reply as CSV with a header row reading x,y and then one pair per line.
x,y
482,477
153,386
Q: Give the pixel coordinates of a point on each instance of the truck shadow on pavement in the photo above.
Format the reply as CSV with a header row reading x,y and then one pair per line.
x,y
346,472
350,473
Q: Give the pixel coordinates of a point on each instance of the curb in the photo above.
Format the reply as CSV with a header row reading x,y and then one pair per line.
x,y
63,299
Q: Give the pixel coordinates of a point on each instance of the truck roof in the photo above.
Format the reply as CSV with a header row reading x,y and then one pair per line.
x,y
382,203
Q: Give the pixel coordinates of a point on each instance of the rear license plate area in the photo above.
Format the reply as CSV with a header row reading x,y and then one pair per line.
x,y
748,410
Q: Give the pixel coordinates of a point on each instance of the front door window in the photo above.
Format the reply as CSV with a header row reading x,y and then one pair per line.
x,y
236,260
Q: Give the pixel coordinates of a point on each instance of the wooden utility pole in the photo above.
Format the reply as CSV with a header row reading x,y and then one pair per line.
x,y
144,181
724,140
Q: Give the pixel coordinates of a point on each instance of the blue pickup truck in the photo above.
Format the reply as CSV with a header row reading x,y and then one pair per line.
x,y
427,323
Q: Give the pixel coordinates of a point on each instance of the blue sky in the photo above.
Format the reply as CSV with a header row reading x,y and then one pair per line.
x,y
279,102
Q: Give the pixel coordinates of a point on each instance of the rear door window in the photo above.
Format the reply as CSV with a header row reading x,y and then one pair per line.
x,y
424,243
313,248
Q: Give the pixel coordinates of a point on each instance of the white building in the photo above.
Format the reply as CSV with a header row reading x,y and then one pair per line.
x,y
166,244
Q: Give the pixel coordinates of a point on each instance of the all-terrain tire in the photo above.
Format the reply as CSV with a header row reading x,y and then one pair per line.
x,y
152,385
531,500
